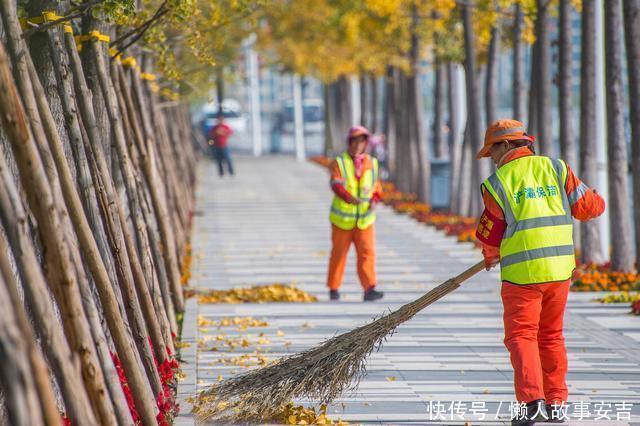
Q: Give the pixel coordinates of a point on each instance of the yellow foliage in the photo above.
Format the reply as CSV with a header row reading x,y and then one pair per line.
x,y
258,294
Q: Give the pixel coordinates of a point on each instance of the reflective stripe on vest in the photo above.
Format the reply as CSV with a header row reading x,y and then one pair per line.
x,y
347,216
537,245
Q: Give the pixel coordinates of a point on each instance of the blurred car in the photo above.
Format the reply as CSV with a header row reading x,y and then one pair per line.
x,y
232,113
312,116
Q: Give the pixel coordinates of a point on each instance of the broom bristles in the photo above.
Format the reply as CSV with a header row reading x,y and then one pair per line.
x,y
321,374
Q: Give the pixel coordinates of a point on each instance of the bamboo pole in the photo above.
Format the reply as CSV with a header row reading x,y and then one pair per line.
x,y
49,213
126,168
76,139
154,322
162,215
151,219
65,367
39,369
16,375
124,346
114,220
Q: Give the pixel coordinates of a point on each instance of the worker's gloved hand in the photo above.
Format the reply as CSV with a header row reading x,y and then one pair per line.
x,y
490,263
491,256
353,200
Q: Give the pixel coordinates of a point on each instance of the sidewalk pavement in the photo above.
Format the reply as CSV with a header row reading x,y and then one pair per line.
x,y
269,224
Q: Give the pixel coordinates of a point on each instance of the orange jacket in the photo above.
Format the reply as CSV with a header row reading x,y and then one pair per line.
x,y
492,224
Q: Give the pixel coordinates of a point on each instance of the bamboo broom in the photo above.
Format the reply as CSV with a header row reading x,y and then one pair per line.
x,y
321,374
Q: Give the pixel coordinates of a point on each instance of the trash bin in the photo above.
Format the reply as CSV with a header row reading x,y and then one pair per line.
x,y
440,176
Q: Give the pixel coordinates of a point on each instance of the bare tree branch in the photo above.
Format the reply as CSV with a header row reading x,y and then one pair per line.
x,y
144,26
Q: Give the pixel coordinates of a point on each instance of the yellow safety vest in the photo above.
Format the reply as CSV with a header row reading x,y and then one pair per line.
x,y
347,216
537,246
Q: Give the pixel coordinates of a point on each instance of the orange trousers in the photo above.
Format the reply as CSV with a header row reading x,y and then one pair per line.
x,y
365,242
533,322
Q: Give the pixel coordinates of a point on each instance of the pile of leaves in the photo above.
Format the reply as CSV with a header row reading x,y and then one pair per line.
x,y
258,294
594,277
300,415
241,323
622,297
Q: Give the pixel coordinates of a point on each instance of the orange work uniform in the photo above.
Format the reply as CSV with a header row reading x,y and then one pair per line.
x,y
362,239
533,314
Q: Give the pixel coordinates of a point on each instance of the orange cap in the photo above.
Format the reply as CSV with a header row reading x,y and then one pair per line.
x,y
503,130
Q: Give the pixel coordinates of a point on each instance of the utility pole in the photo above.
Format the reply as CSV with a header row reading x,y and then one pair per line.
x,y
298,119
254,95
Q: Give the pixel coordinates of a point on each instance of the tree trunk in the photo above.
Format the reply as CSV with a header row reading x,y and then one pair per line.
x,y
565,96
620,220
374,105
364,100
474,117
423,188
519,92
404,175
534,92
632,40
491,88
440,143
545,135
589,232
389,121
220,88
328,137
466,175
415,108
455,147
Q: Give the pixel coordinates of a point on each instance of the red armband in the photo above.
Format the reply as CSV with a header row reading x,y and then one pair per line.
x,y
490,229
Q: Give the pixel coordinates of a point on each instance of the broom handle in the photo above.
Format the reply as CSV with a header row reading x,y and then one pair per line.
x,y
469,272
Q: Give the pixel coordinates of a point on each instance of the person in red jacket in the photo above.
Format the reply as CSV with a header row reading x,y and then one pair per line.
x,y
220,134
533,312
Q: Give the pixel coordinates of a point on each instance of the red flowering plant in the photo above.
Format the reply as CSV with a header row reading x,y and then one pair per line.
x,y
165,400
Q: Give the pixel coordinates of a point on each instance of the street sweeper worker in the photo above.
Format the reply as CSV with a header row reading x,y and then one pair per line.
x,y
527,227
357,190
